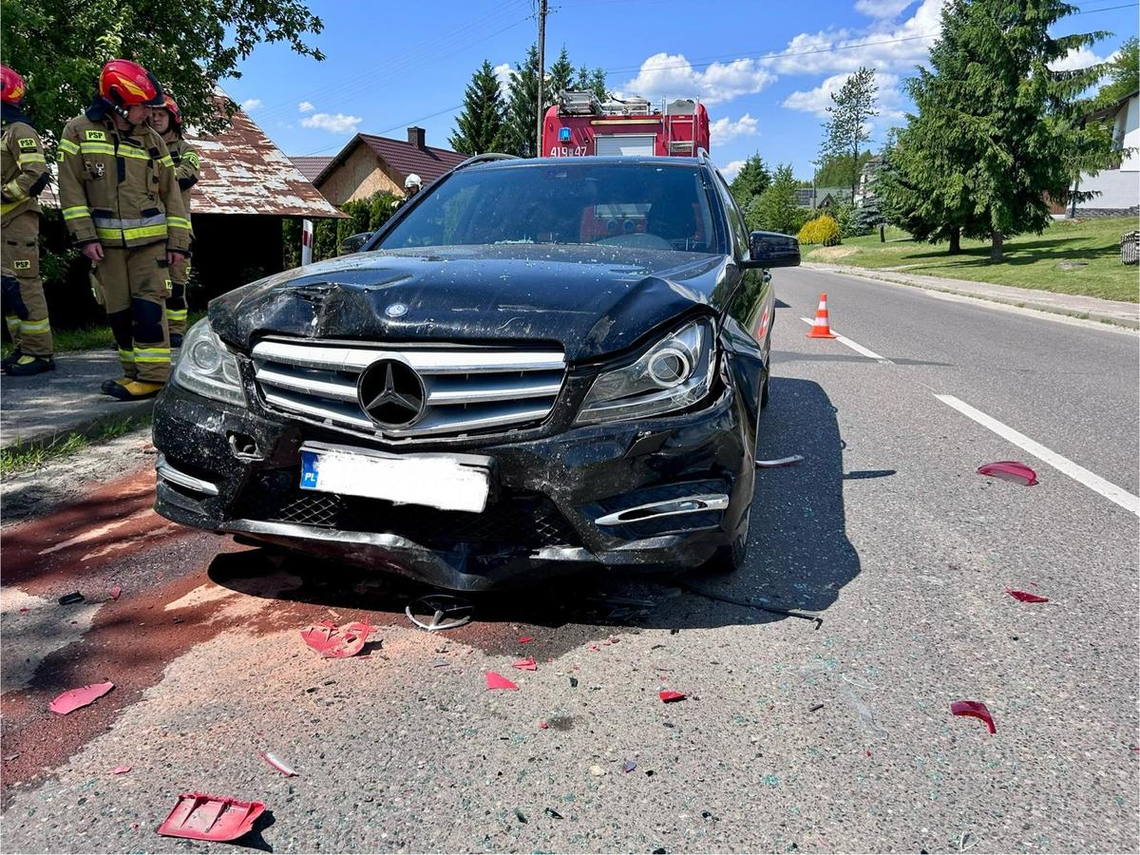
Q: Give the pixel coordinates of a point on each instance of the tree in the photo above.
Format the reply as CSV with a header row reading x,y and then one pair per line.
x,y
752,180
559,78
479,128
996,133
775,209
846,128
1123,73
840,170
522,115
59,47
592,81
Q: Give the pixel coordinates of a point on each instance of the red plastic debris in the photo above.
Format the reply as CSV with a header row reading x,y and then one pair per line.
x,y
276,764
24,611
976,709
525,639
1026,597
669,697
73,699
1010,470
116,592
120,770
198,816
498,681
527,664
337,643
543,725
593,647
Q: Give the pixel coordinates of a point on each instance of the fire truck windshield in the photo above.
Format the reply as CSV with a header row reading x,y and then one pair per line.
x,y
639,204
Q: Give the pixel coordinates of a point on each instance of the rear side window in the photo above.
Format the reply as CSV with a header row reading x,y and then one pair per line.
x,y
637,205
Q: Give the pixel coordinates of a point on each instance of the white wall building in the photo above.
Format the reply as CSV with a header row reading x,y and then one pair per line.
x,y
1118,190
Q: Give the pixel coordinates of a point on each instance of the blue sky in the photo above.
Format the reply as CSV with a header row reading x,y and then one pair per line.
x,y
764,68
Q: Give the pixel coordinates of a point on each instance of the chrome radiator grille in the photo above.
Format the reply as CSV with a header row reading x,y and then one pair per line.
x,y
463,389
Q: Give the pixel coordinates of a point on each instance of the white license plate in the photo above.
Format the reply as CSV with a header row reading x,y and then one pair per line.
x,y
446,482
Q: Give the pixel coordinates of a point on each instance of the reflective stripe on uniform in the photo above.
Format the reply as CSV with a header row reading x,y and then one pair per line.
x,y
192,159
76,212
129,222
15,191
167,160
31,157
176,314
152,354
31,327
126,355
178,222
96,148
13,324
133,152
5,207
68,147
131,234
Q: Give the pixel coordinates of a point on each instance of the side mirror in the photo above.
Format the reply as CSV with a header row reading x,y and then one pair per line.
x,y
772,249
353,243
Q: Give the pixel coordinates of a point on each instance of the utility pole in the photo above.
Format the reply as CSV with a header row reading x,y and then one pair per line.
x,y
541,73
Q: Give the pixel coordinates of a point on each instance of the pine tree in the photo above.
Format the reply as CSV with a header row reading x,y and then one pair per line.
x,y
479,128
522,116
846,128
775,209
559,78
752,180
996,133
591,81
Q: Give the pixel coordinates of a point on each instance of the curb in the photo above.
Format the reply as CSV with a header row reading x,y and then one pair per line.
x,y
136,411
1028,303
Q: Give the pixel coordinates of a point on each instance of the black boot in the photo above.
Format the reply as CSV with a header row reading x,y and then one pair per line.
x,y
27,365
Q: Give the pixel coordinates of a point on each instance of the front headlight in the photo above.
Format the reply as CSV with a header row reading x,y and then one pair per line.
x,y
205,366
675,373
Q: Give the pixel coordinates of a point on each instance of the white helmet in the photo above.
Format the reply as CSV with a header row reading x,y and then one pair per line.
x,y
413,180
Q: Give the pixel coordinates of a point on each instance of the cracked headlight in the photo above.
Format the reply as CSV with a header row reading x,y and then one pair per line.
x,y
205,366
675,373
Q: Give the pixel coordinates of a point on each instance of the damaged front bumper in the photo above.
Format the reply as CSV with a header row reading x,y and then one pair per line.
x,y
661,492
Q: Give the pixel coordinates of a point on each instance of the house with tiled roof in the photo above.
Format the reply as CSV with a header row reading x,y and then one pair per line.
x,y
371,164
310,167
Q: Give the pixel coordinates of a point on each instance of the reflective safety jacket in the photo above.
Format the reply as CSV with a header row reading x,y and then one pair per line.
x,y
23,170
187,168
118,187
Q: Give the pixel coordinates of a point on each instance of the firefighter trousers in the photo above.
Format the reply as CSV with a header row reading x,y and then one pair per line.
x,y
22,291
134,284
176,299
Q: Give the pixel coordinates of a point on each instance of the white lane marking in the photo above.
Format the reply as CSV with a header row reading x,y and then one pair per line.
x,y
1062,464
858,348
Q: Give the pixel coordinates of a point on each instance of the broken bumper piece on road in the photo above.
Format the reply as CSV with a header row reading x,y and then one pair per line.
x,y
660,492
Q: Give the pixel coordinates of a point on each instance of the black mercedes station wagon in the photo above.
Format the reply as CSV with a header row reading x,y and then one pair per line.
x,y
534,366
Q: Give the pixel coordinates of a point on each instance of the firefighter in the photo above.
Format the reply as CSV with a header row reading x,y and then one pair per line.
x,y
24,175
167,120
412,185
123,208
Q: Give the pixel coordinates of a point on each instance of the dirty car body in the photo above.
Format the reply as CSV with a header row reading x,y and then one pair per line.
x,y
534,366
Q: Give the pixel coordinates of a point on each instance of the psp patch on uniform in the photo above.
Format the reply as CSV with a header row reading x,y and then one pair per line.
x,y
100,136
27,142
22,264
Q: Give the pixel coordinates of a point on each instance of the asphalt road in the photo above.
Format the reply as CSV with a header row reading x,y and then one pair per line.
x,y
793,736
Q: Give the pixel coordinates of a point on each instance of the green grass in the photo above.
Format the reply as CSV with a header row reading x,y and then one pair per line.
x,y
89,338
21,457
1031,261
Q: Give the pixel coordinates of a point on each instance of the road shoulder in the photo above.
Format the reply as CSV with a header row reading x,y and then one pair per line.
x,y
1071,305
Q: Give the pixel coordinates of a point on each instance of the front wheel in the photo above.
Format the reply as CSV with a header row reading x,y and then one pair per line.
x,y
731,557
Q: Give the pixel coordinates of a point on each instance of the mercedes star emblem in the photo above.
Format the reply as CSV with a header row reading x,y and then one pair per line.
x,y
392,393
396,310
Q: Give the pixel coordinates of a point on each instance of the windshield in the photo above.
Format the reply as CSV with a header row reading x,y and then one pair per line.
x,y
635,205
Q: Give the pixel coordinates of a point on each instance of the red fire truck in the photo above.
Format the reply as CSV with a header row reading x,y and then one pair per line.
x,y
581,125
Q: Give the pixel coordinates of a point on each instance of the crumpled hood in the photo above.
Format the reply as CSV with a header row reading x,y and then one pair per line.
x,y
592,300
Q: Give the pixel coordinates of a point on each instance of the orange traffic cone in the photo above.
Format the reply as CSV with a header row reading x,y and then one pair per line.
x,y
821,328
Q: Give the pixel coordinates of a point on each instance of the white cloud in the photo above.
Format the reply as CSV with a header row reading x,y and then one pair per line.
x,y
673,76
504,73
732,169
305,107
250,104
817,100
894,47
1077,59
337,123
724,130
882,8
